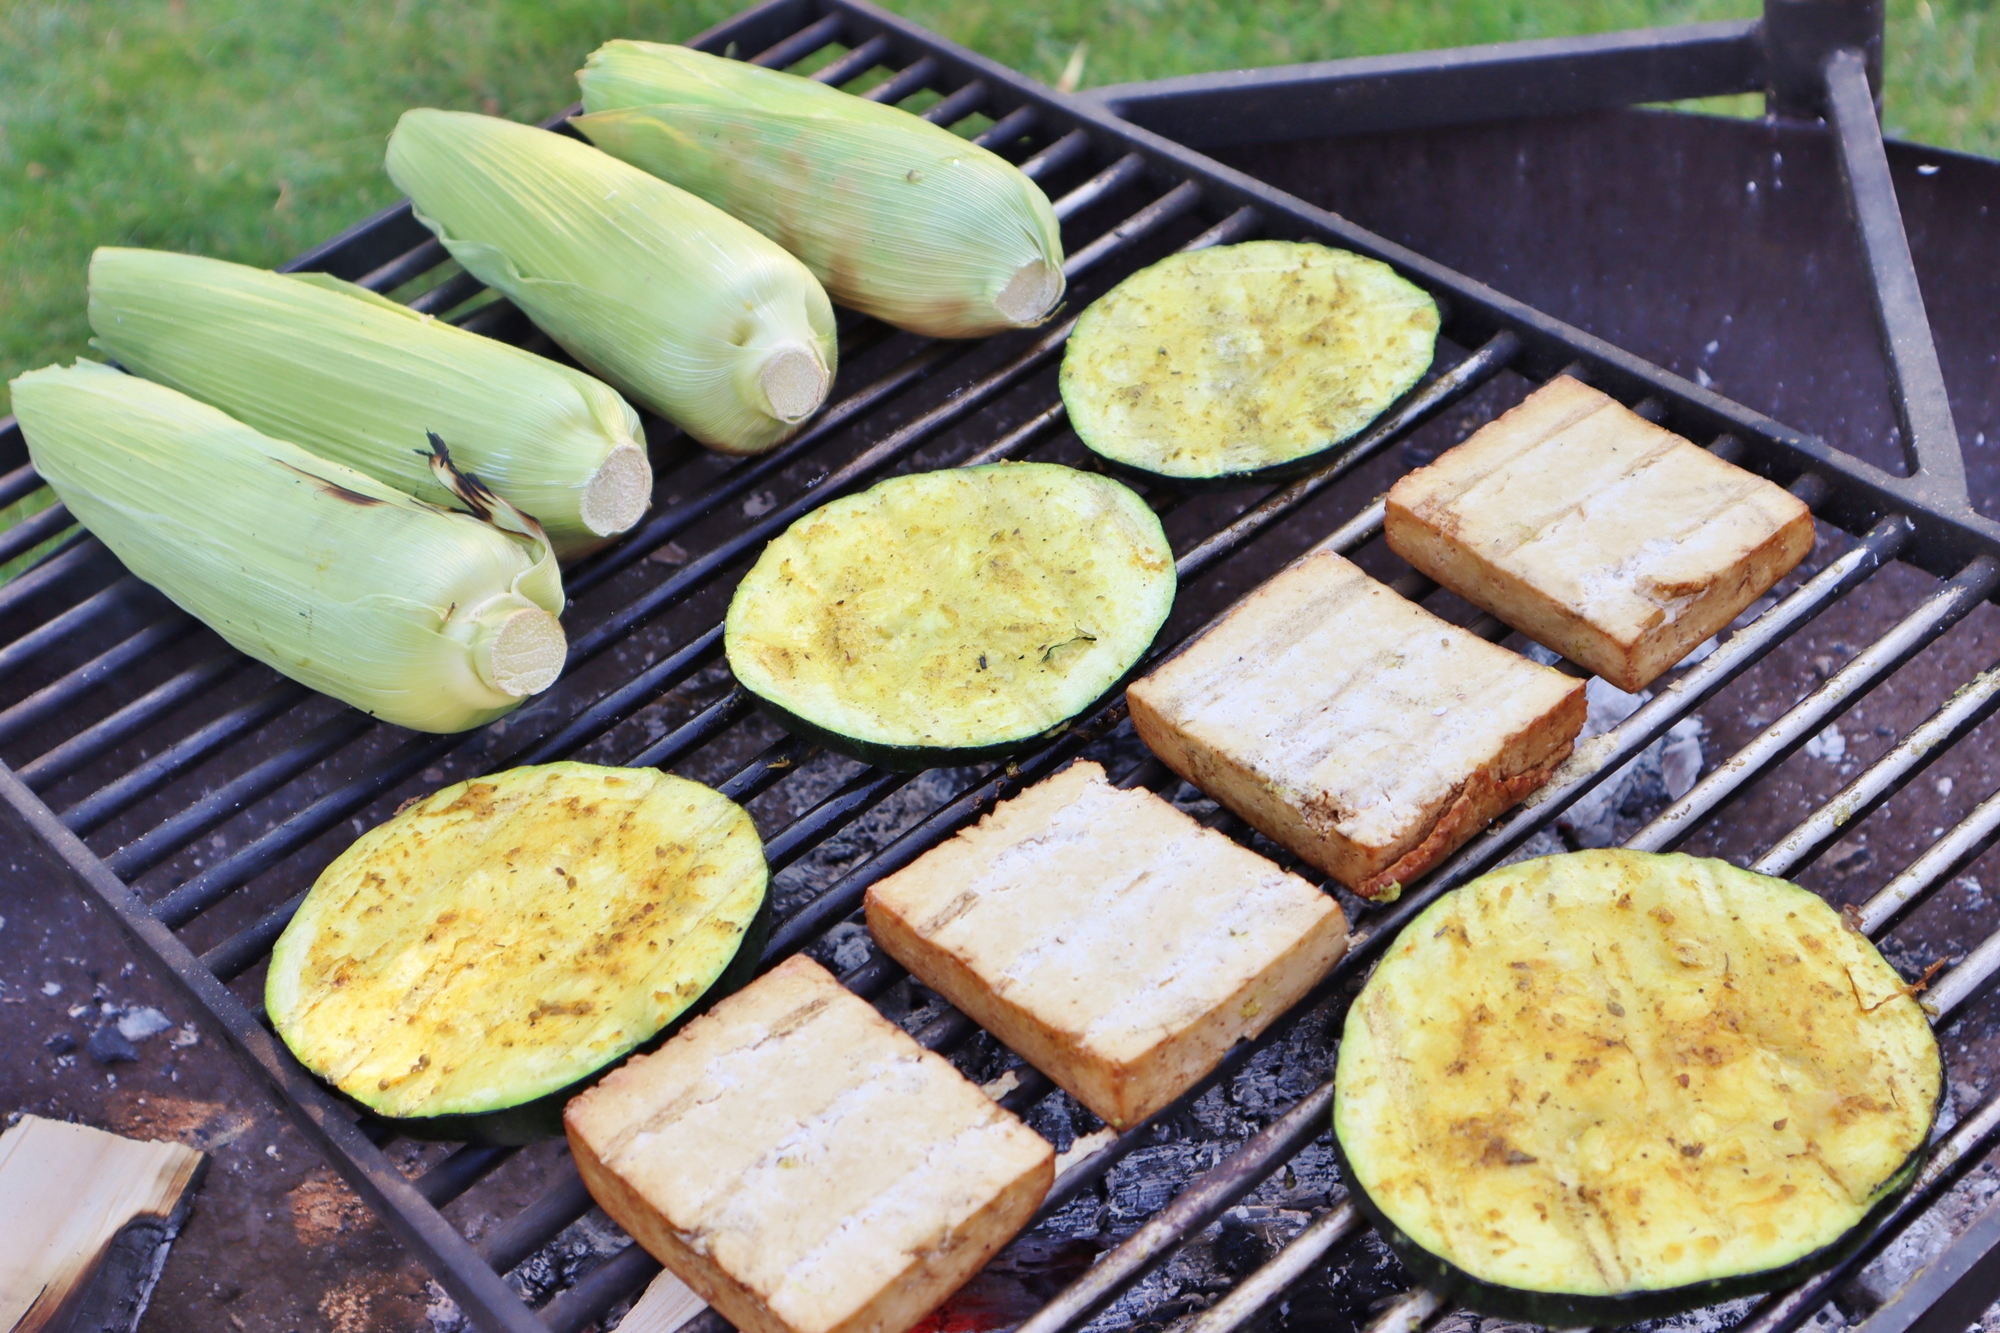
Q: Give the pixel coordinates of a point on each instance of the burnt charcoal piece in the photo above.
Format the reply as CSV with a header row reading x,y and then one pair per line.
x,y
109,1046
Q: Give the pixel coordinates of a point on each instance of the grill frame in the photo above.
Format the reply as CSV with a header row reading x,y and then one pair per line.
x,y
1921,518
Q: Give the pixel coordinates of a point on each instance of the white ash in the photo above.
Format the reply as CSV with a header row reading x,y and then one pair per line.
x,y
1829,746
1619,805
847,946
144,1022
442,1312
1925,1238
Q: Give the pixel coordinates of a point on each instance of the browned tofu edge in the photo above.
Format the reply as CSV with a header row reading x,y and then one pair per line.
x,y
1119,1092
929,1280
1525,762
1433,548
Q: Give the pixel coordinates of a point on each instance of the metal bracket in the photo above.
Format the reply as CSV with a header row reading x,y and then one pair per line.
x,y
1916,380
1799,35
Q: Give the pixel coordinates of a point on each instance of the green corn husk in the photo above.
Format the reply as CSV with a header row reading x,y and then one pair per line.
x,y
672,300
352,376
429,619
900,218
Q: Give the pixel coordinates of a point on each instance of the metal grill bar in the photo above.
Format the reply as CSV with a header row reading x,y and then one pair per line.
x,y
143,853
1536,343
805,42
22,481
31,532
1846,687
459,1172
1298,1258
536,1225
847,68
904,83
73,554
959,105
68,624
597,1290
108,801
54,765
1475,83
1057,155
211,886
1963,844
1885,777
98,671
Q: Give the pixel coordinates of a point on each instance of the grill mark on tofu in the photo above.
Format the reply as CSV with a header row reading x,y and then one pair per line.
x,y
1597,533
1349,724
1112,940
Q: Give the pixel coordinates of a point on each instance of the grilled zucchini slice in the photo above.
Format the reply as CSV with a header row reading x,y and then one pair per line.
x,y
467,965
1244,363
949,617
1611,1086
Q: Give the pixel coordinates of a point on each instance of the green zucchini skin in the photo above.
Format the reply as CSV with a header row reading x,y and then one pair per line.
x,y
917,758
541,1119
1560,1310
1277,474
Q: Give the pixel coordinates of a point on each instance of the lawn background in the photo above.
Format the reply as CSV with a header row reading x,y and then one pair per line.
x,y
254,130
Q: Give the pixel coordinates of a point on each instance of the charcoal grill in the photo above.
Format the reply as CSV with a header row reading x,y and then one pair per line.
x,y
195,795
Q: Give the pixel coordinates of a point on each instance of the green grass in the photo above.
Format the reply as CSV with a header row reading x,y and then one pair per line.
x,y
252,130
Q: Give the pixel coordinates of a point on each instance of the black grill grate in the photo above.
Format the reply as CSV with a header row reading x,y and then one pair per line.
x,y
196,794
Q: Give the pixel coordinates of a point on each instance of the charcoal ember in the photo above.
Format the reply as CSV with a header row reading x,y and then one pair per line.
x,y
108,1046
843,948
1282,1073
1148,1179
582,1246
803,880
1347,1290
1080,1221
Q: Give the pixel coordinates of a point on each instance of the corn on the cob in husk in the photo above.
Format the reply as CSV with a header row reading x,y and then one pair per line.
x,y
350,375
900,218
678,304
426,618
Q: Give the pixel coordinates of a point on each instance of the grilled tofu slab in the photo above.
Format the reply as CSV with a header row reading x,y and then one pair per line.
x,y
1114,942
804,1165
1610,1086
1596,533
1354,727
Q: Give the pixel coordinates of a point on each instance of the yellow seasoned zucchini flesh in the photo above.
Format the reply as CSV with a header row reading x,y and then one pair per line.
x,y
1613,1085
508,937
1244,363
945,617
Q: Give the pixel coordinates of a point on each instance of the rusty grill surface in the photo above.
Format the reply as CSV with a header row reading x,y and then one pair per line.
x,y
196,794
